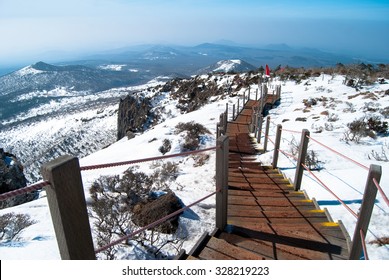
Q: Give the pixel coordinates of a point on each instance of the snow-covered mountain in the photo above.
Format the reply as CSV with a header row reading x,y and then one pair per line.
x,y
228,66
321,103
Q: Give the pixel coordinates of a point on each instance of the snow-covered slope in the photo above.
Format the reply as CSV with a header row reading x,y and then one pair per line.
x,y
195,181
228,66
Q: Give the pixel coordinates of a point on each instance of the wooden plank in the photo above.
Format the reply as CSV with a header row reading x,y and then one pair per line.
x,y
209,254
232,251
278,220
299,237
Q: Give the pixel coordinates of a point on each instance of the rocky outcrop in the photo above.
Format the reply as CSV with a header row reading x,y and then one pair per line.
x,y
12,178
134,116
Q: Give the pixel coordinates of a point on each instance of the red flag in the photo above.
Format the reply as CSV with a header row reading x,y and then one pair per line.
x,y
267,70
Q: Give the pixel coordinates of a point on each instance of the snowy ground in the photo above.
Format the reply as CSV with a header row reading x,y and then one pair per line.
x,y
346,179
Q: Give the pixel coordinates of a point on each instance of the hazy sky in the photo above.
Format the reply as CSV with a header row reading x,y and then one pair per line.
x,y
29,29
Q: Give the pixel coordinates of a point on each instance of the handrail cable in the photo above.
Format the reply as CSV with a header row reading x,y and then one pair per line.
x,y
330,191
287,154
291,131
107,165
338,153
31,188
381,191
363,241
153,224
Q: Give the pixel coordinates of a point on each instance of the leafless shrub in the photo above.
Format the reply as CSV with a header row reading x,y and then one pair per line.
x,y
12,224
382,155
166,146
332,117
200,160
193,131
350,108
371,126
311,159
166,172
381,241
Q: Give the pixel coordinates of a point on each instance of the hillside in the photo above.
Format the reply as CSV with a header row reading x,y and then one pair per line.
x,y
323,104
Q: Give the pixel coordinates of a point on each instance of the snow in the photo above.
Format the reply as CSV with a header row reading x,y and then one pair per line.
x,y
28,71
227,65
112,67
345,178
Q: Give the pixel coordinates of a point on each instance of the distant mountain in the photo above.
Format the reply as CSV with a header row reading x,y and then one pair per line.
x,y
228,66
43,76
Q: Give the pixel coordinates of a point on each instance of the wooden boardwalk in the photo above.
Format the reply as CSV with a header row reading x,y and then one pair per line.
x,y
267,219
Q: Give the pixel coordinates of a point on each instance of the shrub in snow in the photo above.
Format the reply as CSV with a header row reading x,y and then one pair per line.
x,y
166,146
366,126
120,205
193,132
11,225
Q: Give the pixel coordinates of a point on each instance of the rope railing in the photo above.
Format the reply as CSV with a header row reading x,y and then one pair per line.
x,y
28,189
129,162
330,191
291,131
381,191
287,154
363,241
153,224
338,153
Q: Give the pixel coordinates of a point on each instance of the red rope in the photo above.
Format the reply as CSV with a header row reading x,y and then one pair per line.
x,y
291,131
268,138
381,191
363,241
288,155
336,152
106,165
153,224
28,189
331,192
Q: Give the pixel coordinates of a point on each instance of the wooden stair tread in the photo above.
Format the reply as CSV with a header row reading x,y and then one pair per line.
x,y
220,249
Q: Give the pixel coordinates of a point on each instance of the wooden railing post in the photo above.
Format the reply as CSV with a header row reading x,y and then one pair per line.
x,y
266,134
233,112
301,159
227,111
222,181
366,210
68,210
260,124
277,146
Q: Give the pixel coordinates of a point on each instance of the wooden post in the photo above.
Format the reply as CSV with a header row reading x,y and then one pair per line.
x,y
301,159
266,134
233,112
68,210
260,123
367,206
238,111
277,146
256,94
244,98
222,182
227,110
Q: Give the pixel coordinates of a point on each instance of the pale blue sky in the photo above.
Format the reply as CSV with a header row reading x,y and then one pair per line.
x,y
31,28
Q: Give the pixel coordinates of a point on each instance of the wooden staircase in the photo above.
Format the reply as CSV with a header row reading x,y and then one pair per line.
x,y
267,218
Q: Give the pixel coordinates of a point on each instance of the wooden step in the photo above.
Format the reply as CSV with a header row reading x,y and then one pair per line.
x,y
219,249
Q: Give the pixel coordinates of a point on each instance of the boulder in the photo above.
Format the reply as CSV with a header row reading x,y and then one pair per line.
x,y
134,116
12,178
153,210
